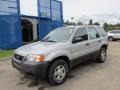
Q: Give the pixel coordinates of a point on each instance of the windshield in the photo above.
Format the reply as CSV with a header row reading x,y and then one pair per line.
x,y
59,35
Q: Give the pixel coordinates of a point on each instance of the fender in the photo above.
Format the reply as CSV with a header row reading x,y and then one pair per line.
x,y
56,54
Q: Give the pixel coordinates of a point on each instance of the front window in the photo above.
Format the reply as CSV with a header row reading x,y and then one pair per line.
x,y
59,35
82,32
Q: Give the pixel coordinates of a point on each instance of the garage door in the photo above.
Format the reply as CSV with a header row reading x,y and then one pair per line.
x,y
10,32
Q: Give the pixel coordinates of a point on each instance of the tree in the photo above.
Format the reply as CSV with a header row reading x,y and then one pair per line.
x,y
72,18
72,23
66,22
96,23
105,26
109,27
69,23
90,22
79,23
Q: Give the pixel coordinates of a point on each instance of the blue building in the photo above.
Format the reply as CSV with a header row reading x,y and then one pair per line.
x,y
18,27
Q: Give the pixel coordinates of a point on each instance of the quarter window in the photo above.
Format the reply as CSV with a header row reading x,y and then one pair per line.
x,y
93,33
102,31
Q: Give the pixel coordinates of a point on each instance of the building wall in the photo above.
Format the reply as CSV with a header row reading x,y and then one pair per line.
x,y
10,34
49,17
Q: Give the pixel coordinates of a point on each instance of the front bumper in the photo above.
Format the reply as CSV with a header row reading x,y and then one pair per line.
x,y
32,68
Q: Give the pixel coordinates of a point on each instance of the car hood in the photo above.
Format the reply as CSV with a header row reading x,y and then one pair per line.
x,y
37,48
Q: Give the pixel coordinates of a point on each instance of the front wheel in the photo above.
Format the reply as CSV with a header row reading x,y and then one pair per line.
x,y
102,55
58,72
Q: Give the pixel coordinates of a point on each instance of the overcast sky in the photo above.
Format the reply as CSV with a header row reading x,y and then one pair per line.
x,y
76,8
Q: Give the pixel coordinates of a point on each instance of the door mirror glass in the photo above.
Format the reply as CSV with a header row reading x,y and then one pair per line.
x,y
77,39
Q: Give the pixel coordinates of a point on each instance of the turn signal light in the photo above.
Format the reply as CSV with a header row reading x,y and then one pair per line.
x,y
39,58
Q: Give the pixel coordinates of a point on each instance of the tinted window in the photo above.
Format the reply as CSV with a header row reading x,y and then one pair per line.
x,y
102,31
93,33
115,32
82,32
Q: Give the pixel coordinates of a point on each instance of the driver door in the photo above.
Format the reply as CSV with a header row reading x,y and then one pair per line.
x,y
82,48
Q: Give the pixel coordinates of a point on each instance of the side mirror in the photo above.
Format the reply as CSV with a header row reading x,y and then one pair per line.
x,y
77,39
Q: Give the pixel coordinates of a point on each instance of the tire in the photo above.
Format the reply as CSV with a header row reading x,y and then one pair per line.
x,y
58,72
110,39
102,55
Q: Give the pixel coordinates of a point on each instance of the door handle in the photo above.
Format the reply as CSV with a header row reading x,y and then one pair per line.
x,y
87,44
99,41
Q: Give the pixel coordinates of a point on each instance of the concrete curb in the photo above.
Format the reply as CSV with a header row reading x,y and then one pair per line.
x,y
6,58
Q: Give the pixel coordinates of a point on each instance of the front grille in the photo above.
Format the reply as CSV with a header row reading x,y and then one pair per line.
x,y
19,57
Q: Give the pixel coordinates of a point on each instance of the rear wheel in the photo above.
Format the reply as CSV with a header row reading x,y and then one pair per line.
x,y
102,55
58,72
110,39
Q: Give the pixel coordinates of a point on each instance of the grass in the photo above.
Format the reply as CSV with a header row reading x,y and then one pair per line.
x,y
6,53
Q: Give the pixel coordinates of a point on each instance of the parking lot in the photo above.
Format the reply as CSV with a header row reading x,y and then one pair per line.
x,y
87,76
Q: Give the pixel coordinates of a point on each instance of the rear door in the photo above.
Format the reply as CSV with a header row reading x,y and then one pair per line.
x,y
94,39
117,34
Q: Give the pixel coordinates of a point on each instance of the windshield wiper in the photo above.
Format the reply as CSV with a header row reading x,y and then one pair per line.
x,y
48,41
51,41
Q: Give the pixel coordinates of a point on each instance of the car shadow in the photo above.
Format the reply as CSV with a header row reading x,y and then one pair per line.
x,y
116,41
33,81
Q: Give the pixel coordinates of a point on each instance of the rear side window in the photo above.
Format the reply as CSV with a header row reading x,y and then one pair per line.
x,y
93,33
115,32
102,31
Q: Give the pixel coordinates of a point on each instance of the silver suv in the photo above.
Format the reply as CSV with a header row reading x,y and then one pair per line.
x,y
114,35
60,50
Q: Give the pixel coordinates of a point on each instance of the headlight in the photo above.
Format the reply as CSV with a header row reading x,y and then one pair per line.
x,y
30,57
35,58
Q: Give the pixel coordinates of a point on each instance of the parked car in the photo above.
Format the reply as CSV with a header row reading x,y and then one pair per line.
x,y
60,50
114,35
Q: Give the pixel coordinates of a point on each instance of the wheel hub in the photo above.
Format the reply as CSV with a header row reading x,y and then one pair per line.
x,y
60,73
